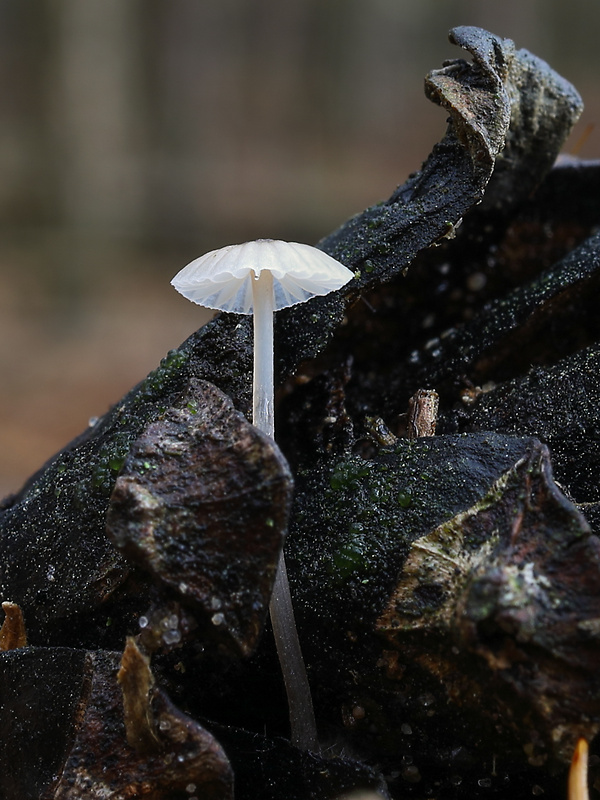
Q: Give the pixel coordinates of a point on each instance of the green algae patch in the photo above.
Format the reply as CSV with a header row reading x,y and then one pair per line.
x,y
347,474
159,380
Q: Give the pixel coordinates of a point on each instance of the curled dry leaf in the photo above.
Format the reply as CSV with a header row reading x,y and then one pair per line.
x,y
137,684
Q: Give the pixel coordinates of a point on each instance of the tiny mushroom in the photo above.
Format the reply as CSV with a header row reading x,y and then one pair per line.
x,y
259,278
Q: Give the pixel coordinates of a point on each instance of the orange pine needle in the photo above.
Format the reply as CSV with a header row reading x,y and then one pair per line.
x,y
578,789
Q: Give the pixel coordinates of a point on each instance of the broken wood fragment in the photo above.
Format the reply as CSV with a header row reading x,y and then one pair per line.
x,y
12,632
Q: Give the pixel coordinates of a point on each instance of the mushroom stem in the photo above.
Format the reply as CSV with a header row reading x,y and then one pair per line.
x,y
302,717
262,385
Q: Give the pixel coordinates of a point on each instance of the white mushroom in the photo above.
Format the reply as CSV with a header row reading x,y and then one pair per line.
x,y
259,278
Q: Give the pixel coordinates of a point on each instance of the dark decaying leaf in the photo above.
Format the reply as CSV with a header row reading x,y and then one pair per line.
x,y
489,611
201,504
560,405
64,708
40,696
502,604
271,769
489,343
353,523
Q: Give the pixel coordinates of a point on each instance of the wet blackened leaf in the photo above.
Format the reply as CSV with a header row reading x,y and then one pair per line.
x,y
354,518
56,569
201,504
408,336
40,693
558,404
491,344
101,763
353,523
63,708
502,603
271,769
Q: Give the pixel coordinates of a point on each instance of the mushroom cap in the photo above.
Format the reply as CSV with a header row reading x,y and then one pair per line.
x,y
222,279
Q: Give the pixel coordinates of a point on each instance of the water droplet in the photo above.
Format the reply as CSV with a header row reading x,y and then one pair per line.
x,y
190,788
476,281
164,725
406,729
143,622
215,603
171,637
50,572
411,774
537,790
404,499
485,783
217,619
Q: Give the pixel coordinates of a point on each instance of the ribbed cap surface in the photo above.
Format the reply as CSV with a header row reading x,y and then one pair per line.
x,y
222,279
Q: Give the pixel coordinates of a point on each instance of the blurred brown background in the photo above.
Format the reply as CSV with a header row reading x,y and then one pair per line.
x,y
137,134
